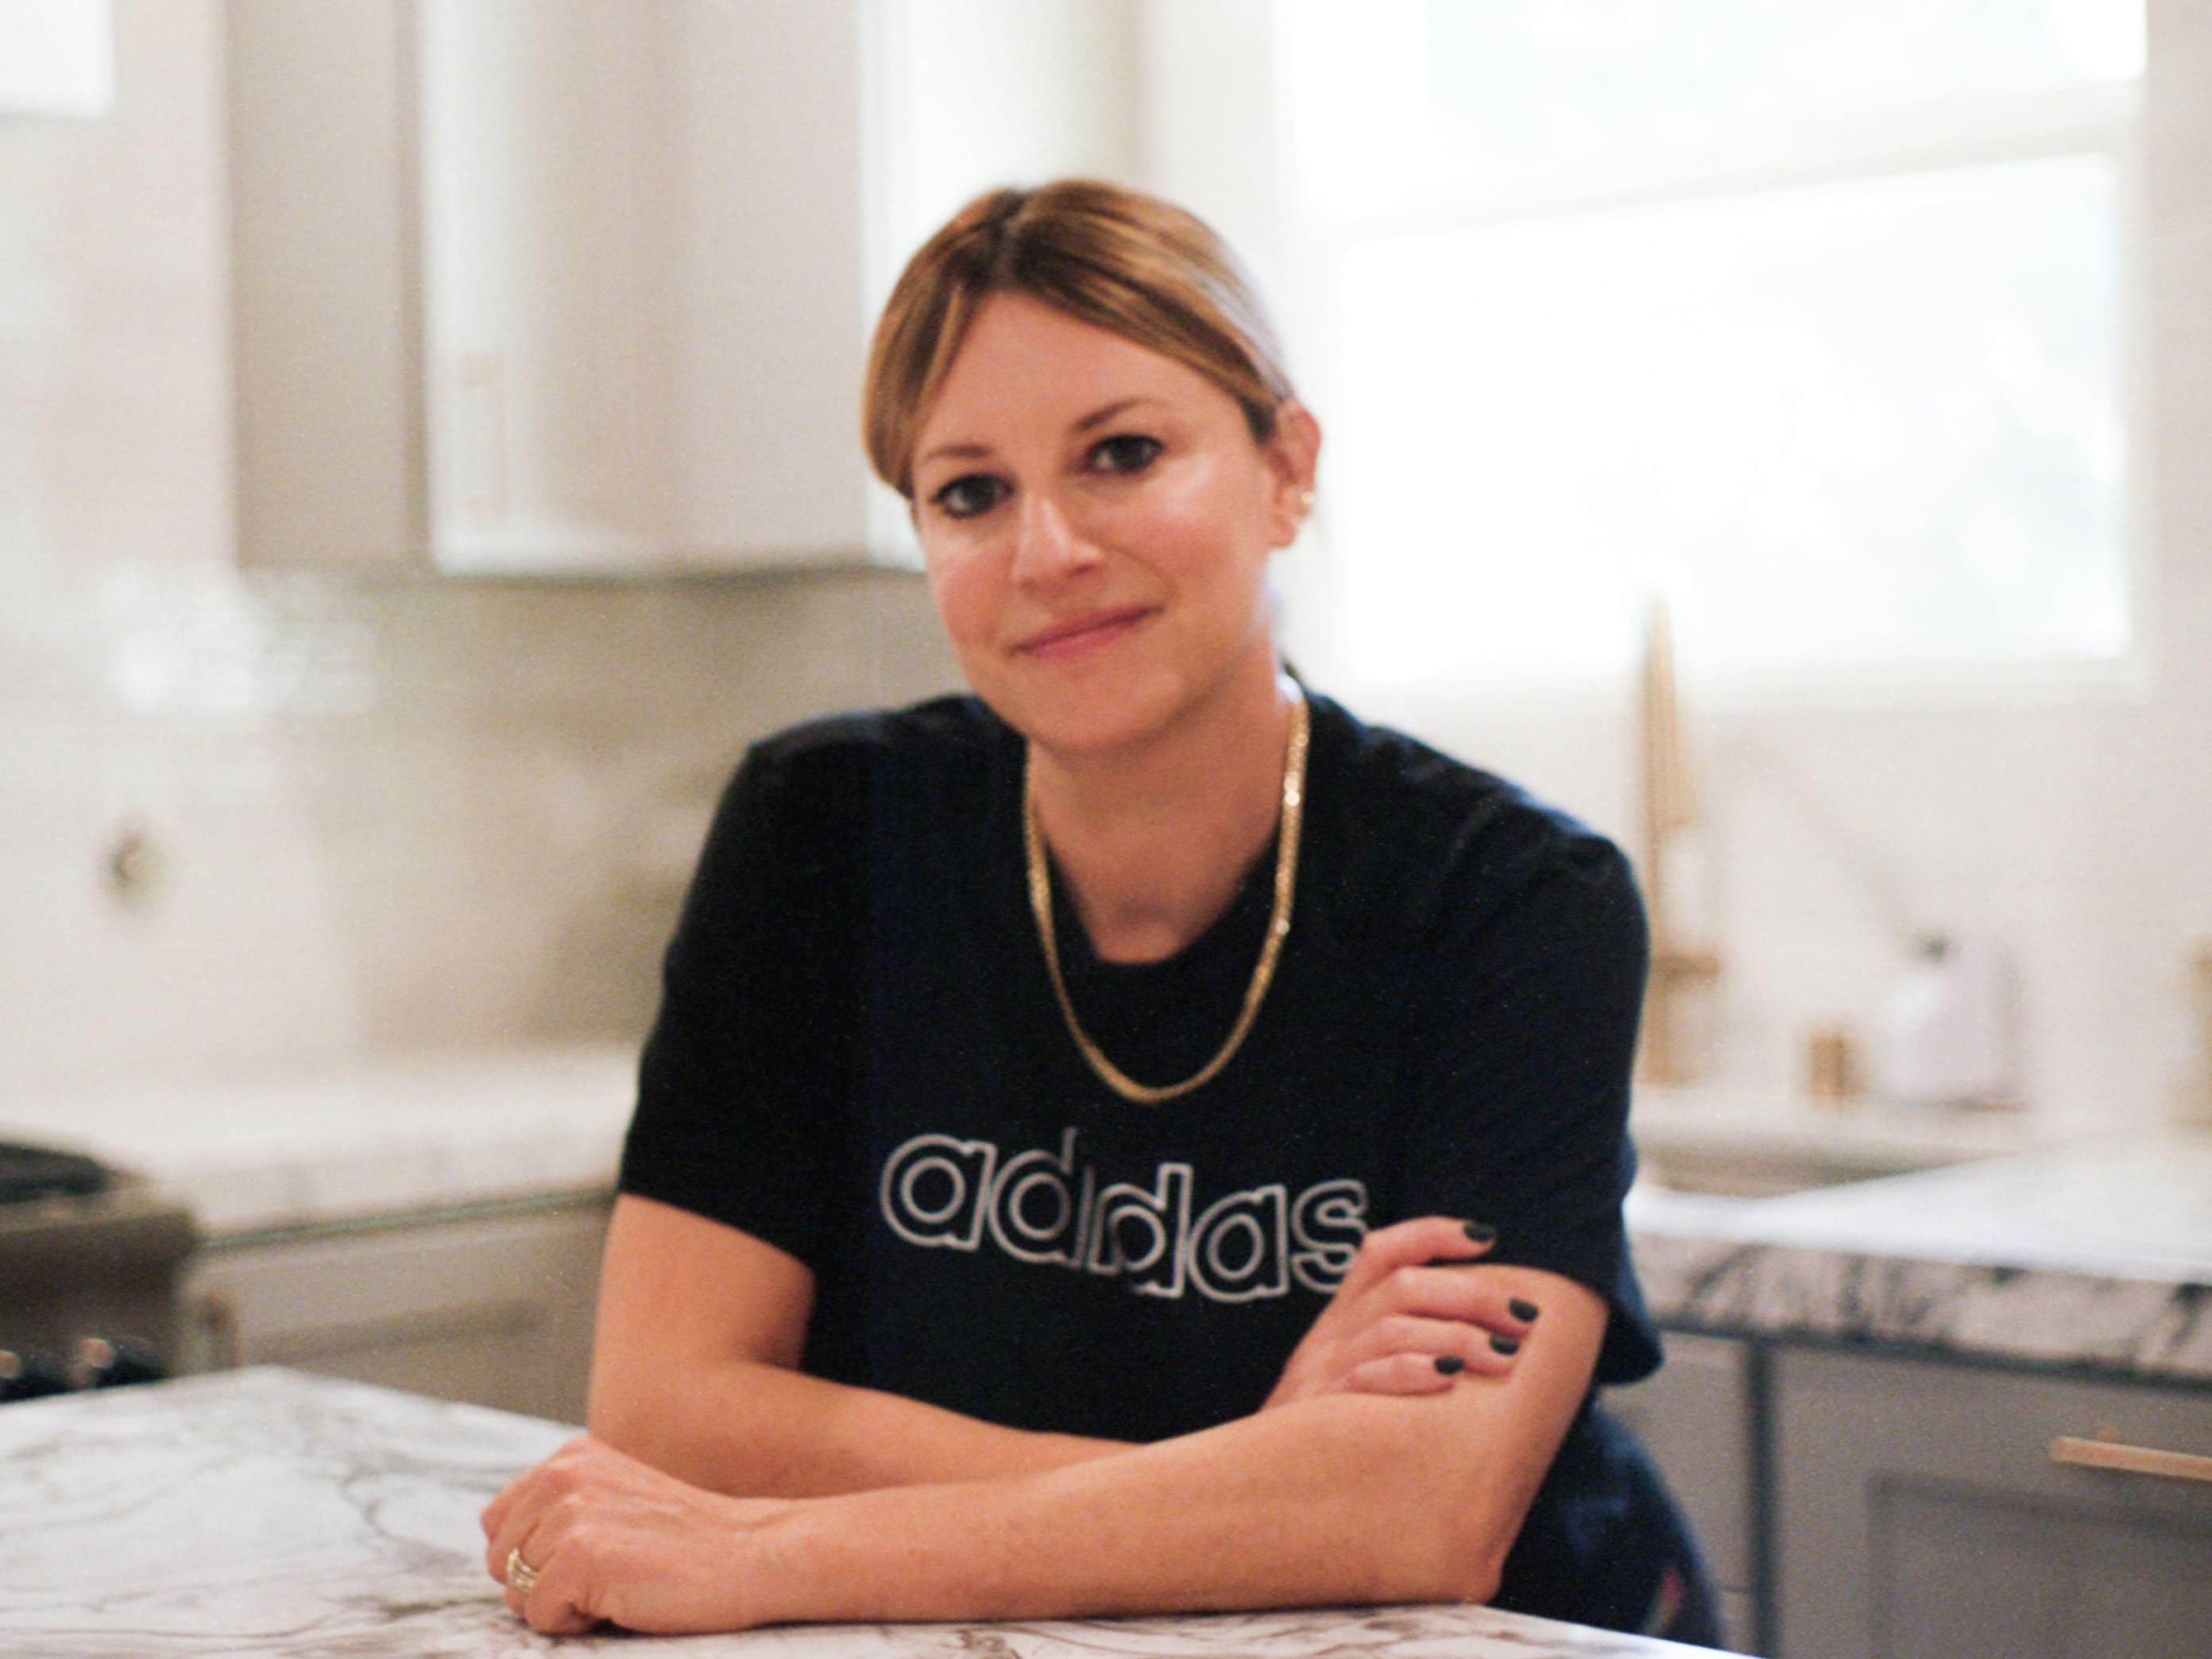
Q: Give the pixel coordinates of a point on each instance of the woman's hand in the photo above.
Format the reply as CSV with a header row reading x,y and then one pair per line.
x,y
1415,1311
611,1539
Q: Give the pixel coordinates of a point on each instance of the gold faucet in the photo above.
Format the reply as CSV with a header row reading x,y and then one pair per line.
x,y
1682,963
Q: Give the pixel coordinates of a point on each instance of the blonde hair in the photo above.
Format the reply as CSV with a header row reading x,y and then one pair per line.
x,y
1115,258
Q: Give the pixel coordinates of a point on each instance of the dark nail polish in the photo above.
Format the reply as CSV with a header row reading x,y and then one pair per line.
x,y
1523,1311
1479,1232
1505,1344
1450,1363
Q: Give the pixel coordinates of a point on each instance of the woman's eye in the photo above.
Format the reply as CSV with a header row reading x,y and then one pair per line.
x,y
1127,452
965,497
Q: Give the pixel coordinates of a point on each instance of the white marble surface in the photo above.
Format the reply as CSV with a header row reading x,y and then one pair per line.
x,y
2091,1253
284,1149
267,1513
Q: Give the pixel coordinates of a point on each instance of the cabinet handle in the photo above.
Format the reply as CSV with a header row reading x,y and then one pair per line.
x,y
2107,1454
481,406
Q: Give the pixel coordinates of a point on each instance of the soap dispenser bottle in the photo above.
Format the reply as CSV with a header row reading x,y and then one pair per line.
x,y
1948,1033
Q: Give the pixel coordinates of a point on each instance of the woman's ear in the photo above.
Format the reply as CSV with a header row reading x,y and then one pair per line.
x,y
1293,452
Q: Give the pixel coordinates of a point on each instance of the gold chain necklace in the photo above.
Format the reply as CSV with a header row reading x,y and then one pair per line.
x,y
1279,926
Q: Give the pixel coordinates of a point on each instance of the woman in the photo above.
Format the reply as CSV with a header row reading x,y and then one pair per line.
x,y
1136,1139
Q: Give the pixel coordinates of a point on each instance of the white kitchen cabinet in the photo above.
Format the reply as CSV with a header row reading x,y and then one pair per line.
x,y
1920,1514
1698,1416
555,286
492,1307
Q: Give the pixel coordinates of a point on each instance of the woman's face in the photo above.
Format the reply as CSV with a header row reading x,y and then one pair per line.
x,y
1097,520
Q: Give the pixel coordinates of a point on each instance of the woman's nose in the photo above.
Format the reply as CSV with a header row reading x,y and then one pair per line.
x,y
1048,546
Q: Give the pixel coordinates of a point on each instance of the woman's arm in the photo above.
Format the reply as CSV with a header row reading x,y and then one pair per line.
x,y
1343,1497
700,1328
695,1371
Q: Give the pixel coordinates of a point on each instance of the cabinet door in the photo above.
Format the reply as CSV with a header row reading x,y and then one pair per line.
x,y
446,217
1922,1514
537,172
325,314
494,1310
1695,1417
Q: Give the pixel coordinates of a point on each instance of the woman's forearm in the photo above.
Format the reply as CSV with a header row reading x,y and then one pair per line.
x,y
752,1429
1344,1498
1347,1499
696,1372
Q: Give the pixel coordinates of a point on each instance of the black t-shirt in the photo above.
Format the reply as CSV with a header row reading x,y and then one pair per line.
x,y
859,1060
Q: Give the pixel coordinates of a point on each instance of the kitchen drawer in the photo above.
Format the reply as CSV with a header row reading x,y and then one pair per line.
x,y
1922,1514
491,1307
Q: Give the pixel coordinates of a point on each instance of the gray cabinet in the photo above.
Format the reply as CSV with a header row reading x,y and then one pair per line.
x,y
1697,1417
494,1308
1921,1514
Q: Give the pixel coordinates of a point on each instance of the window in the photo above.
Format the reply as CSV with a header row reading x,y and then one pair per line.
x,y
1807,318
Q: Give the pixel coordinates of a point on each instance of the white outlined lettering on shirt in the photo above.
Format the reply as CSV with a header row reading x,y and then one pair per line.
x,y
1044,1207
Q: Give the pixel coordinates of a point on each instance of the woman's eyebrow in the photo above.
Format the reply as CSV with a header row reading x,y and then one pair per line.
x,y
1099,417
955,453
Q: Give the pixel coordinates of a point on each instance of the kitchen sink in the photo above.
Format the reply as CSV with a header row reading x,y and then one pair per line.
x,y
1744,1142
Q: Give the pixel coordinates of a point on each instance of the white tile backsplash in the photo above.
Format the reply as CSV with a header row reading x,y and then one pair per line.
x,y
382,815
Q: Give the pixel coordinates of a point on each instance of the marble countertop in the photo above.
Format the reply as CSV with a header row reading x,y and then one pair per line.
x,y
289,1149
264,1512
2095,1253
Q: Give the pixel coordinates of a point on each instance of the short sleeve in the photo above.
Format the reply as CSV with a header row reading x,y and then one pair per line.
x,y
1527,1038
745,1085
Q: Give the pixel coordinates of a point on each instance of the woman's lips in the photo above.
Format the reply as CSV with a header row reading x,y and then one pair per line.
x,y
1079,633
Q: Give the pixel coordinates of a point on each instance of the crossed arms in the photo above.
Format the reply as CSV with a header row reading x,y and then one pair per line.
x,y
720,1487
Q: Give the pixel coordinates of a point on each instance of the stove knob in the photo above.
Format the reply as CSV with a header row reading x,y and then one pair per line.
x,y
101,1363
28,1376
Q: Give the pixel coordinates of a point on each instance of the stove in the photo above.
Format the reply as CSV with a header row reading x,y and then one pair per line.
x,y
90,1259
